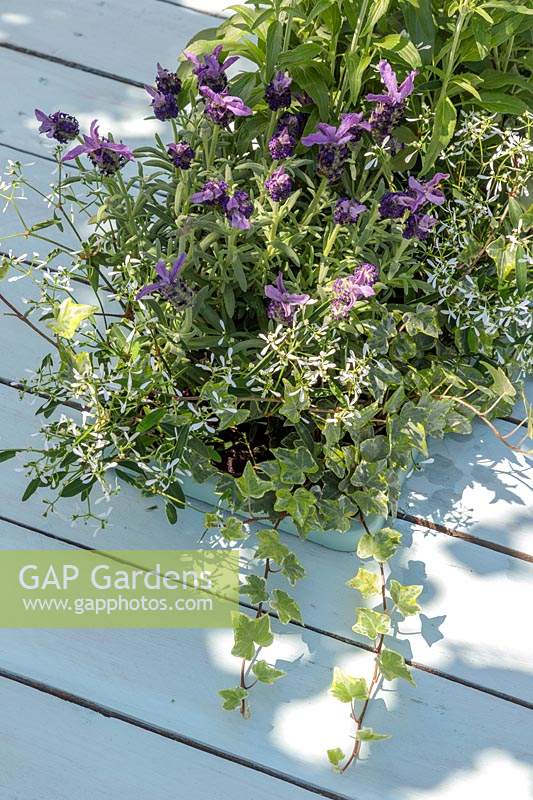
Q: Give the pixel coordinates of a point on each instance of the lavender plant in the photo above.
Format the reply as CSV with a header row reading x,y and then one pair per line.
x,y
324,263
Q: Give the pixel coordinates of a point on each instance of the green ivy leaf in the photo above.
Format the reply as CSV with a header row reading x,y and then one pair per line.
x,y
347,688
299,504
422,320
255,588
249,485
265,673
287,608
369,735
393,665
371,623
211,519
248,633
366,582
270,546
381,546
233,697
404,598
295,400
335,756
292,569
233,530
295,464
69,316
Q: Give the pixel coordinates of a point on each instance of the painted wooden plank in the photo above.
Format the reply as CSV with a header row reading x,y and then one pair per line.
x,y
443,733
110,35
53,750
219,7
466,588
36,83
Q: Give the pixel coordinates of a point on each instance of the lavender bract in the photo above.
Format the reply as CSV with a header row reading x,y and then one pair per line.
x,y
392,205
59,126
209,70
332,148
164,105
347,211
279,185
213,193
354,124
418,226
357,286
239,209
221,107
390,105
169,284
107,156
283,304
282,145
181,154
167,82
278,92
294,124
421,193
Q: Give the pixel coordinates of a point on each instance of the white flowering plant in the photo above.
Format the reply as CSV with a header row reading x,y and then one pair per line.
x,y
328,263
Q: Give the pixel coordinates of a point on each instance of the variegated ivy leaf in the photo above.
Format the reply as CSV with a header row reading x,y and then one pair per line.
x,y
295,400
249,485
369,735
270,546
405,597
255,588
295,464
371,623
299,504
233,529
233,697
381,546
335,756
69,316
292,569
366,582
249,632
5,263
287,608
392,665
211,519
265,673
347,688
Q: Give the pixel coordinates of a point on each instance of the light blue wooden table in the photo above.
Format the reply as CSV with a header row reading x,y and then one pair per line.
x,y
135,714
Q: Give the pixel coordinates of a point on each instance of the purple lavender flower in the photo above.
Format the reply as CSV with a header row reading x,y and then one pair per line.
x,y
332,148
283,304
169,285
390,106
282,145
181,154
278,92
59,126
164,105
239,209
209,70
418,226
213,193
357,286
421,193
167,82
392,205
354,124
279,185
347,211
221,107
106,155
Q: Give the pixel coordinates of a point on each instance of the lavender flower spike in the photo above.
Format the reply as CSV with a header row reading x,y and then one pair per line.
x,y
106,155
283,304
357,286
279,185
213,193
164,105
422,193
209,70
181,154
333,150
354,124
347,211
59,126
419,226
169,284
222,107
167,82
278,92
396,95
239,209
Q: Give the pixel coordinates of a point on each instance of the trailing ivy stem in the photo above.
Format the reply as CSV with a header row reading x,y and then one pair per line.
x,y
487,422
23,318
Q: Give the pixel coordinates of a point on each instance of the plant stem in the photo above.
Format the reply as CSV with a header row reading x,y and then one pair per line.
x,y
315,201
28,322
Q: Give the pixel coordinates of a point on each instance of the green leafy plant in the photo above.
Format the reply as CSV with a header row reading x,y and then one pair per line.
x,y
289,299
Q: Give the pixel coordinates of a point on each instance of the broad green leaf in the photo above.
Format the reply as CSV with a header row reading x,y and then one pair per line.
x,y
211,519
356,64
347,688
402,46
287,608
502,103
255,588
393,665
151,419
295,464
422,320
233,697
233,530
381,546
371,623
69,316
501,385
5,455
274,41
503,253
369,735
249,485
292,569
443,128
405,597
295,400
265,673
270,546
366,582
418,16
335,756
299,504
249,632
301,54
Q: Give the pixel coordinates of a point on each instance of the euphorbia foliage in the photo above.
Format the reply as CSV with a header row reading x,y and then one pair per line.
x,y
321,263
